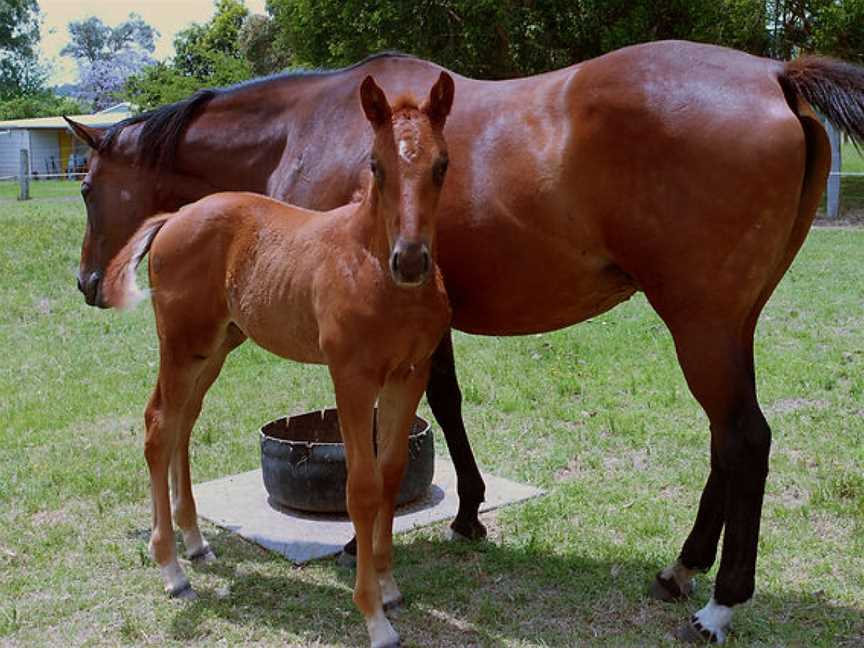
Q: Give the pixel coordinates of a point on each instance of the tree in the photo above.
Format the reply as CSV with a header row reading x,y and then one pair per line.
x,y
107,56
257,45
40,104
20,70
503,38
207,55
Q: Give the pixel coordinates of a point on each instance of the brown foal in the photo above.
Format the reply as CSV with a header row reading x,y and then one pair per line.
x,y
356,288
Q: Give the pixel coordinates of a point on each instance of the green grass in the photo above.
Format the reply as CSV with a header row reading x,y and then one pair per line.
x,y
598,415
66,189
852,158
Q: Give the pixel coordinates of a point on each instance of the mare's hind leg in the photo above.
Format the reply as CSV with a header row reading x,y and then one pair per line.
x,y
397,404
182,501
717,360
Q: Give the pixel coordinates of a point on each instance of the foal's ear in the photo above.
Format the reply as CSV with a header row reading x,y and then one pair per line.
x,y
374,103
440,100
92,137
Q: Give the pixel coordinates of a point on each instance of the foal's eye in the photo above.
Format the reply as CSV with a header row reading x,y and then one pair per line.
x,y
85,189
439,169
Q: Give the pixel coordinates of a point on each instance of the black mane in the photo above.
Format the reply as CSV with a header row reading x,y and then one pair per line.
x,y
164,126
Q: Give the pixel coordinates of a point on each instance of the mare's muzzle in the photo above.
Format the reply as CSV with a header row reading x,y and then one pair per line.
x,y
89,285
410,263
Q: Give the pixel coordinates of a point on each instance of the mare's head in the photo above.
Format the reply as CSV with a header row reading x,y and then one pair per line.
x,y
119,194
409,163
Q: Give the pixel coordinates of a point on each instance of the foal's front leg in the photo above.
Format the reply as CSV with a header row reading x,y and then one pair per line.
x,y
397,405
355,401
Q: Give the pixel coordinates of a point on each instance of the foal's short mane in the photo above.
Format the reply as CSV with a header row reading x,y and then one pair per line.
x,y
164,126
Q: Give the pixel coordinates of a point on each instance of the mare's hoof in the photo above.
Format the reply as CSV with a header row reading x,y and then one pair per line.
x,y
395,604
693,632
347,560
667,590
471,531
183,592
203,556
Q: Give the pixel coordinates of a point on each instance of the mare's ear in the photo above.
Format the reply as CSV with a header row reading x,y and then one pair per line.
x,y
440,100
92,137
374,103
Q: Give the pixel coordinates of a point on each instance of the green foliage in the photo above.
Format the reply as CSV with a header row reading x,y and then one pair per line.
x,y
840,30
496,39
20,70
41,104
207,55
257,45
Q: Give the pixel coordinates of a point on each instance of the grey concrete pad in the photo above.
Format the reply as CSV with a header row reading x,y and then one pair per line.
x,y
239,503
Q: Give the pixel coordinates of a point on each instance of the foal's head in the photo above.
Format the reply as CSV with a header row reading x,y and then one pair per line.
x,y
408,162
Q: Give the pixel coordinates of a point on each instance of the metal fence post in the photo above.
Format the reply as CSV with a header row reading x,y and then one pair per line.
x,y
24,176
834,178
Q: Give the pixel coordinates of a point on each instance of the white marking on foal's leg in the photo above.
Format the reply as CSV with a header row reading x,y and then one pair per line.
x,y
391,597
176,583
197,548
381,633
713,621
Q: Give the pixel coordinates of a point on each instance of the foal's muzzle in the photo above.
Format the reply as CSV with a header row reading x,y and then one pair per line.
x,y
410,263
89,285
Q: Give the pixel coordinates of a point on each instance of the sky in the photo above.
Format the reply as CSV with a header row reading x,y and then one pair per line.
x,y
167,16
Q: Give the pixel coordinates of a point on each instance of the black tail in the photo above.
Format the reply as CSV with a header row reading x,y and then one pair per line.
x,y
834,88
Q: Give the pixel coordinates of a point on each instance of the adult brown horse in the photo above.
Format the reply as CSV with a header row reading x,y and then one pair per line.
x,y
689,172
356,288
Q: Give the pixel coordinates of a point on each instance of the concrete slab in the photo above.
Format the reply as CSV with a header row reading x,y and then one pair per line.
x,y
239,503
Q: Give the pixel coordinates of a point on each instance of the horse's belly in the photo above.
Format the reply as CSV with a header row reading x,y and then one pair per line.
x,y
535,294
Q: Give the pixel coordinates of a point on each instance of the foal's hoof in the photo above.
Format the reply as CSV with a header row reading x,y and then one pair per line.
x,y
668,590
694,632
472,530
183,592
203,556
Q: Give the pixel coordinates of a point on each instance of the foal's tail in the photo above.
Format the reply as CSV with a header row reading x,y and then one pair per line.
x,y
833,87
119,289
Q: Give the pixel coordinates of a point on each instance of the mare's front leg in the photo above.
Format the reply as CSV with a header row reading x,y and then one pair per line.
x,y
355,401
397,405
445,400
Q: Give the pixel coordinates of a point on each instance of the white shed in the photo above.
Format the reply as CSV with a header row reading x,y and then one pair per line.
x,y
52,148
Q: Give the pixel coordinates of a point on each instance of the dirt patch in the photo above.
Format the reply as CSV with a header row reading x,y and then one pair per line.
x,y
571,471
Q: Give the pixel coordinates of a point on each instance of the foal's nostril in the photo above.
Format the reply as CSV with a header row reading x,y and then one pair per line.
x,y
78,281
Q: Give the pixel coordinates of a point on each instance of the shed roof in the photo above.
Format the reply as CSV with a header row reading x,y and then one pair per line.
x,y
104,118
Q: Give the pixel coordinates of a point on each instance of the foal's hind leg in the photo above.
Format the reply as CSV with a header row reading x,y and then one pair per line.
x,y
164,418
184,377
397,404
717,360
182,501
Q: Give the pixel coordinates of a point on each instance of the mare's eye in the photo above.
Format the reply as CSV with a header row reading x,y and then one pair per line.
x,y
377,171
439,170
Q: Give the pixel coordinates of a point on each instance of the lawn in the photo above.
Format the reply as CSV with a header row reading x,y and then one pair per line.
x,y
598,415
